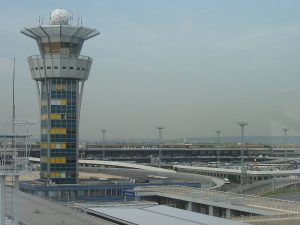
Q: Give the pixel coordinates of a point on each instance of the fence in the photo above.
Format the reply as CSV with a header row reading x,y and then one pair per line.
x,y
282,207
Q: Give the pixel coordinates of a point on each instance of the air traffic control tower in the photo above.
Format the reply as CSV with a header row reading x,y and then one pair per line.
x,y
60,72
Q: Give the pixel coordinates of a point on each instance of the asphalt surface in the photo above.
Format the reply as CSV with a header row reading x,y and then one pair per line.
x,y
141,175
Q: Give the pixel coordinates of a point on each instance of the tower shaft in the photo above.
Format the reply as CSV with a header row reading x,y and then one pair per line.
x,y
59,99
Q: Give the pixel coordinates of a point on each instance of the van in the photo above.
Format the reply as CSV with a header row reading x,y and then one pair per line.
x,y
227,181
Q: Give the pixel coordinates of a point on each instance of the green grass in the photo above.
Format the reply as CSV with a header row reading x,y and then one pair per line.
x,y
281,191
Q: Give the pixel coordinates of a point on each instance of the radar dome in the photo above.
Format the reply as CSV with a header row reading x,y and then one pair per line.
x,y
59,17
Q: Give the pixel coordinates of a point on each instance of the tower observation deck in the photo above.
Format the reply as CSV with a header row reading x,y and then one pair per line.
x,y
60,72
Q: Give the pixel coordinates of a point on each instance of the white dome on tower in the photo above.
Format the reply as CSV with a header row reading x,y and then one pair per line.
x,y
59,17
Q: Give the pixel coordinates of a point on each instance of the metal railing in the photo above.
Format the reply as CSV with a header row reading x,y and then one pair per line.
x,y
60,56
14,148
277,205
251,217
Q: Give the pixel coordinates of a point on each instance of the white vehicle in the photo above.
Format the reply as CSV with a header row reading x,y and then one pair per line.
x,y
227,181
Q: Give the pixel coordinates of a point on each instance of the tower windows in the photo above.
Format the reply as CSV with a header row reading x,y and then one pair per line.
x,y
65,48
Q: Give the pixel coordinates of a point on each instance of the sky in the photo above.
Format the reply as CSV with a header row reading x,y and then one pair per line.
x,y
192,66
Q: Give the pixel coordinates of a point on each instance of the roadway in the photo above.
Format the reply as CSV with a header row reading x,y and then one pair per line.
x,y
114,164
138,174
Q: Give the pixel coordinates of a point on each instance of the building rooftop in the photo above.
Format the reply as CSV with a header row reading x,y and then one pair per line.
x,y
238,171
149,215
38,211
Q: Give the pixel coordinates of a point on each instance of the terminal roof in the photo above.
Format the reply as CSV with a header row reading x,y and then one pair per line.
x,y
159,215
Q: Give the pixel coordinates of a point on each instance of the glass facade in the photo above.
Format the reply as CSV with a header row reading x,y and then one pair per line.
x,y
61,48
59,113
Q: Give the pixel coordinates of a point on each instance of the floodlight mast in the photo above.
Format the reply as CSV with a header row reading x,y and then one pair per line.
x,y
14,153
160,129
13,94
285,130
218,146
103,135
103,142
243,167
16,178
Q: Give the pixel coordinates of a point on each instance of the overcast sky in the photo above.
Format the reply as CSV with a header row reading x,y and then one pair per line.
x,y
192,66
